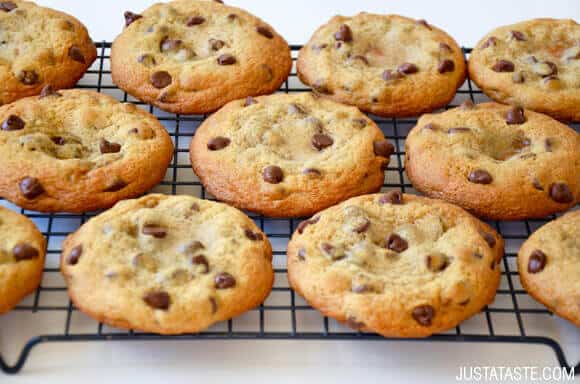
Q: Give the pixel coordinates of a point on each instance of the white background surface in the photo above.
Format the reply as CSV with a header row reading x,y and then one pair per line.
x,y
293,361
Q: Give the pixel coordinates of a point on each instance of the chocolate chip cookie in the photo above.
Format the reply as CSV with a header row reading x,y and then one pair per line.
x,y
78,151
549,266
395,264
288,155
40,46
22,251
534,64
190,56
497,161
385,64
167,264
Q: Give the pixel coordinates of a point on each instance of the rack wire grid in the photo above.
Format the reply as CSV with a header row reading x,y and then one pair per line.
x,y
49,316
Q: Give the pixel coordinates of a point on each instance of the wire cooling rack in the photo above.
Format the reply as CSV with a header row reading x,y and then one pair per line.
x,y
49,316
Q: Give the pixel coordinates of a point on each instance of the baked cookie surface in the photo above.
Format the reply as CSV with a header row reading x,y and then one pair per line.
x,y
549,266
167,264
78,151
497,161
22,252
385,64
190,56
398,265
40,46
534,64
289,155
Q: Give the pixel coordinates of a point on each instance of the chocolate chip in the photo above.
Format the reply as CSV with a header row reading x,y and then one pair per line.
x,y
423,23
383,148
321,141
515,116
226,59
391,197
201,260
28,77
273,174
214,306
302,226
344,34
560,193
389,75
517,35
489,239
169,44
31,187
58,140
218,143
157,300
108,146
301,254
352,322
320,87
503,66
518,77
23,251
396,243
458,130
254,236
147,60
216,45
363,226
446,66
537,185
160,79
232,17
407,68
330,251
436,262
264,31
74,255
224,280
445,47
195,20
116,185
76,54
424,314
7,6
548,144
130,17
479,176
12,123
47,90
537,261
249,101
491,42
154,230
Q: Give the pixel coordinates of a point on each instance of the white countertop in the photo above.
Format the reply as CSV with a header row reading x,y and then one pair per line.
x,y
289,361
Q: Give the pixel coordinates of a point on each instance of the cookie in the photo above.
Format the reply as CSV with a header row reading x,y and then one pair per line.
x,y
385,64
167,264
395,264
22,251
549,266
78,151
534,64
40,46
497,161
289,155
192,57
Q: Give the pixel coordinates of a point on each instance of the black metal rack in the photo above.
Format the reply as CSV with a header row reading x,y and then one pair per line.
x,y
512,303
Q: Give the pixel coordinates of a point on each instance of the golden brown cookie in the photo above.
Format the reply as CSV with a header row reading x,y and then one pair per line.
x,y
40,46
398,265
497,161
549,266
385,64
190,56
534,64
22,251
288,155
78,151
167,264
